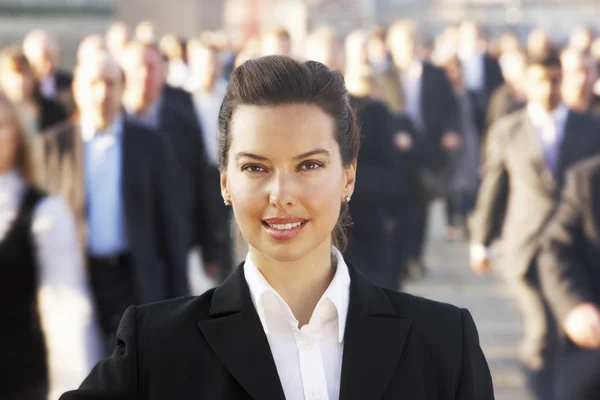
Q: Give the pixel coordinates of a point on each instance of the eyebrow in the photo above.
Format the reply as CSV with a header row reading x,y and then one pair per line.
x,y
298,157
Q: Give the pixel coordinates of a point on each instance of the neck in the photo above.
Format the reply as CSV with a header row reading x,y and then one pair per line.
x,y
300,283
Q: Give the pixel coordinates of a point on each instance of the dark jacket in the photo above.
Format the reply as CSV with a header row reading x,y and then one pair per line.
x,y
396,346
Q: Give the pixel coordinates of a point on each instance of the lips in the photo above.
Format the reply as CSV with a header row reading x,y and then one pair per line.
x,y
284,228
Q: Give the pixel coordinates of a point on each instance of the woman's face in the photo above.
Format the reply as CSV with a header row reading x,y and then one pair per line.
x,y
17,85
8,139
285,179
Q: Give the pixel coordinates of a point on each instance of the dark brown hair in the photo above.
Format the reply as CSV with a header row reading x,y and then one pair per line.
x,y
278,80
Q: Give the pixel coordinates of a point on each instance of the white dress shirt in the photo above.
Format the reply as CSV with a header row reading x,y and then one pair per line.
x,y
309,359
66,310
207,106
411,83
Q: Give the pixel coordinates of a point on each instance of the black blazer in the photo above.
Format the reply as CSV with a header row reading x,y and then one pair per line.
x,y
396,346
569,269
153,227
518,192
185,135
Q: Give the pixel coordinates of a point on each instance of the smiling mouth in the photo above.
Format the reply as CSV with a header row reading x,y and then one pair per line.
x,y
284,227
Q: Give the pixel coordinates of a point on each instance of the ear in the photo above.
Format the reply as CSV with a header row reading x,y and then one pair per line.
x,y
350,174
224,188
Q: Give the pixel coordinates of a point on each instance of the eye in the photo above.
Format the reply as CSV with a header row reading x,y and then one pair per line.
x,y
311,165
253,168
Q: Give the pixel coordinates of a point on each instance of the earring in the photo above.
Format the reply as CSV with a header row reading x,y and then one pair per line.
x,y
347,198
227,203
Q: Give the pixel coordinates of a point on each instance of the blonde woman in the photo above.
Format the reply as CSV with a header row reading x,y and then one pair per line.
x,y
47,335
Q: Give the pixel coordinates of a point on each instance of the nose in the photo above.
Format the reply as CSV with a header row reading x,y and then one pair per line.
x,y
283,191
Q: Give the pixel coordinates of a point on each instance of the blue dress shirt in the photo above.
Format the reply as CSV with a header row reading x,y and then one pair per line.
x,y
104,198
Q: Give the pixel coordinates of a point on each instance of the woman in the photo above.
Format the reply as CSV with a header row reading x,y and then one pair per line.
x,y
294,321
47,334
17,82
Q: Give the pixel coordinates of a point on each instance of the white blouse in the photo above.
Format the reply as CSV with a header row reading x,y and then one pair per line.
x,y
66,309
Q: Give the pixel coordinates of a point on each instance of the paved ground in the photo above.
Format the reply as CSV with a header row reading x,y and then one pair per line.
x,y
451,280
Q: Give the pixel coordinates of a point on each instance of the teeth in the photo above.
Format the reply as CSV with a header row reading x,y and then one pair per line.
x,y
285,226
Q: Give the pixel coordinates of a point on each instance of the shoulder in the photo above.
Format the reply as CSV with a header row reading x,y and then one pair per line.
x,y
439,326
507,124
173,315
424,311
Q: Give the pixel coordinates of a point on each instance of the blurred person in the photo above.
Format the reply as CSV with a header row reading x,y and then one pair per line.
x,y
482,74
527,154
377,51
118,179
356,55
145,31
18,83
323,45
422,91
382,214
117,37
89,46
460,199
175,53
208,89
445,44
579,75
509,43
276,41
539,43
48,339
510,96
251,49
41,50
295,321
145,102
581,39
570,278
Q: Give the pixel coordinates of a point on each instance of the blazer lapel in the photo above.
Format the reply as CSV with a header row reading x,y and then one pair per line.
x,y
235,334
373,342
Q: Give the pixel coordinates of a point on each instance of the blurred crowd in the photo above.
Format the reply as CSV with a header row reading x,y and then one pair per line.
x,y
110,195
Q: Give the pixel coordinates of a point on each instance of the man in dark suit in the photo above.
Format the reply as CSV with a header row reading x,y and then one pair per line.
x,y
569,268
422,91
145,102
41,51
527,154
117,178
